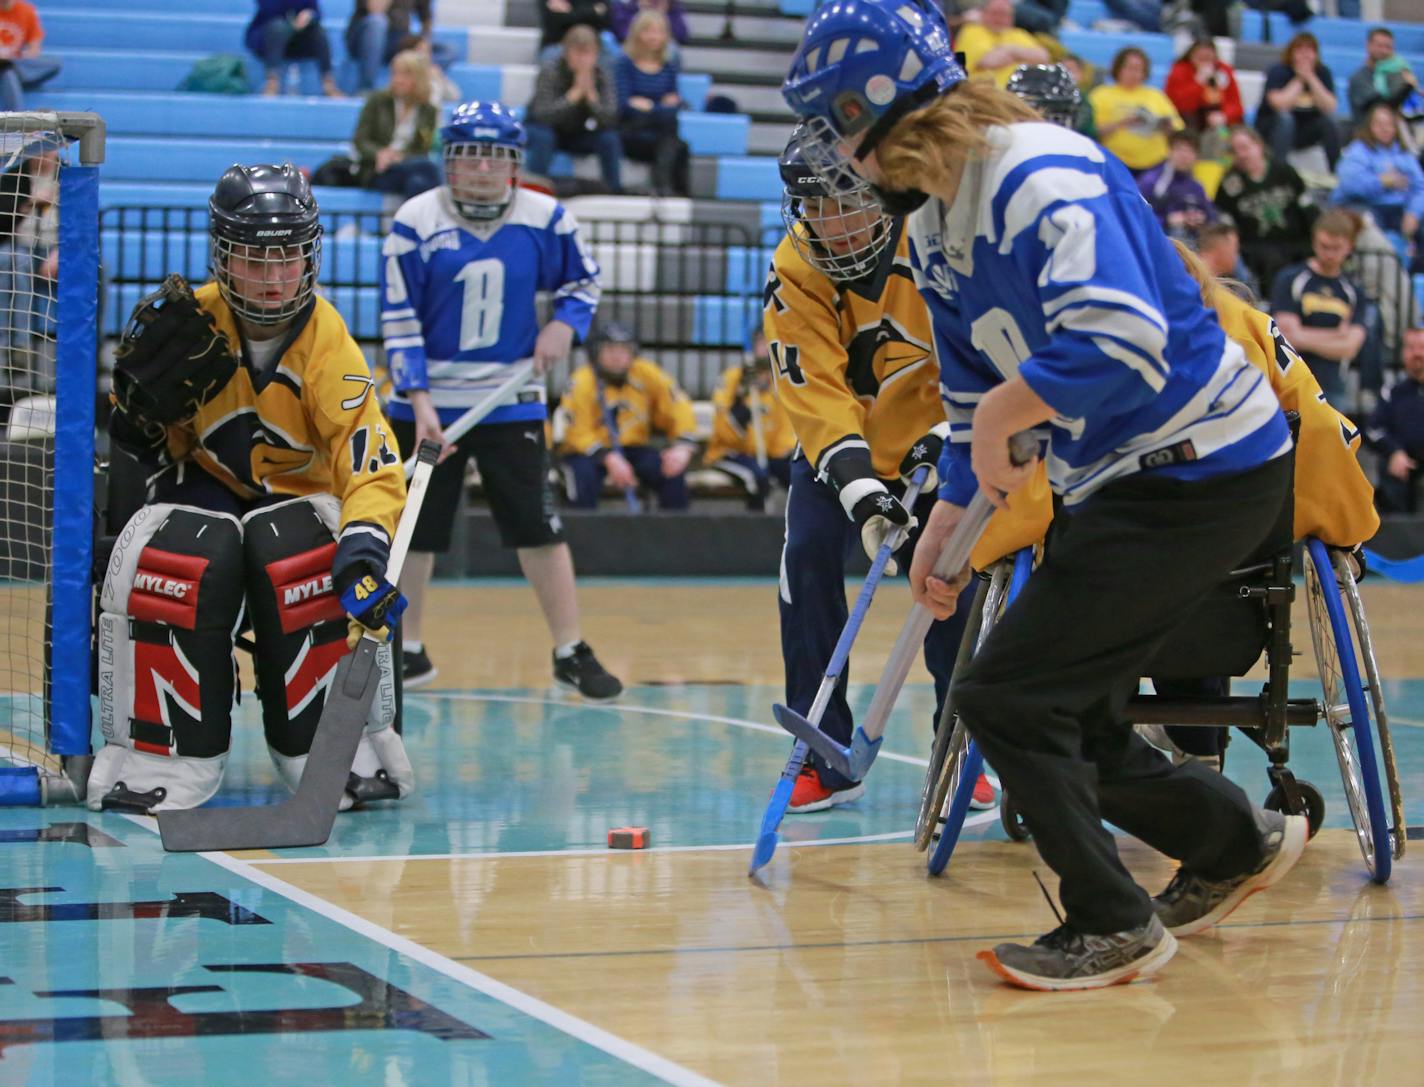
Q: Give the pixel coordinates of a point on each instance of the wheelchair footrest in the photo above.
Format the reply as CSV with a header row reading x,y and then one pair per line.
x,y
1241,711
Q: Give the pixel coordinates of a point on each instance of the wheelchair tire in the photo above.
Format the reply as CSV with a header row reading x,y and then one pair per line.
x,y
1011,819
1347,712
1314,804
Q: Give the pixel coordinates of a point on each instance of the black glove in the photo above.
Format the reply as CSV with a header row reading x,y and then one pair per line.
x,y
925,453
742,413
171,360
877,513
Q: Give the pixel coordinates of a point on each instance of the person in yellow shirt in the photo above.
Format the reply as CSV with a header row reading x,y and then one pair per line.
x,y
993,47
752,439
615,407
1133,119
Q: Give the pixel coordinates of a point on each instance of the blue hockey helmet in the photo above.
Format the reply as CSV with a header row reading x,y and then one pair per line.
x,y
861,66
484,150
832,217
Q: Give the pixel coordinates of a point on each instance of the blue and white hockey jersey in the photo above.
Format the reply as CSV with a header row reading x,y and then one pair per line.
x,y
457,299
1049,265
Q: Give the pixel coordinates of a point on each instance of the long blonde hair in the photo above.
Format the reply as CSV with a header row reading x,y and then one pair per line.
x,y
635,30
414,64
927,147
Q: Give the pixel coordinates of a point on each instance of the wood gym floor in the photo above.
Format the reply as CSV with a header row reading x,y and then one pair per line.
x,y
482,932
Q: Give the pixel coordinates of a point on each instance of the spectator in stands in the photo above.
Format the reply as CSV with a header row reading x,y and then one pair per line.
x,y
575,109
1319,309
615,407
1132,118
625,12
1177,198
1395,432
558,17
1269,204
21,66
396,131
993,47
379,29
752,437
1378,175
290,30
1040,16
1384,77
1297,112
1219,246
648,103
1087,79
1203,88
29,268
443,89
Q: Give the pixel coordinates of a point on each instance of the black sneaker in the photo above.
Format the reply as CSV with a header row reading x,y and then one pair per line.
x,y
581,672
1190,904
416,669
1068,959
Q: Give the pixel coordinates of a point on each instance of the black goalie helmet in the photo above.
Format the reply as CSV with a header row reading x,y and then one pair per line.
x,y
265,236
833,220
1049,89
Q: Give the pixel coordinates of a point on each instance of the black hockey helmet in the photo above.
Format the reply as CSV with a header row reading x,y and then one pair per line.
x,y
837,226
266,218
604,334
1049,89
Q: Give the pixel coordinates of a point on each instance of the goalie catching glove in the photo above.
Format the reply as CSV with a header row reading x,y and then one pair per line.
x,y
877,513
172,359
372,602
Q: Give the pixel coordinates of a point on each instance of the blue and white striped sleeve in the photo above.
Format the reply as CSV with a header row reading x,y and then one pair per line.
x,y
1102,311
572,274
402,288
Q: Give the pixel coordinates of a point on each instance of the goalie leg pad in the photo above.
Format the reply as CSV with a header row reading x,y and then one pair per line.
x,y
169,609
380,771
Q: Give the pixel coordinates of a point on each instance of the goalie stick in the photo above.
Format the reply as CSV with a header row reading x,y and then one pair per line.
x,y
854,761
767,837
519,374
305,818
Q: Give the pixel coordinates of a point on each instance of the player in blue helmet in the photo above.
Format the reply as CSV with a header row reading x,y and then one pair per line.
x,y
462,269
1058,305
484,150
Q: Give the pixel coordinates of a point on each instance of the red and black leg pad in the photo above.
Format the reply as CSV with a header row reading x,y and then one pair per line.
x,y
170,607
297,620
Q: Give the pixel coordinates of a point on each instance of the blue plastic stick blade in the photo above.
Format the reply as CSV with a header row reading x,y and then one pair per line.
x,y
835,755
770,822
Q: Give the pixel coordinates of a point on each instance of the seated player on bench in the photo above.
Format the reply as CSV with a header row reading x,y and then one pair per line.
x,y
752,440
272,482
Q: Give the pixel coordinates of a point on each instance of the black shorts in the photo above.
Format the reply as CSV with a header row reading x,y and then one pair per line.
x,y
514,465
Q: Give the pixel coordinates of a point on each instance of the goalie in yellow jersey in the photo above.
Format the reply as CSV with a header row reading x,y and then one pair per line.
x,y
854,368
272,486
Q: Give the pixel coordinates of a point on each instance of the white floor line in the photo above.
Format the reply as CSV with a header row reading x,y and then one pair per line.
x,y
616,1047
736,722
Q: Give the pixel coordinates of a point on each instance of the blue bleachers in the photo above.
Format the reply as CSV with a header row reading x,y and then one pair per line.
x,y
1099,49
113,194
236,117
135,158
747,178
1345,33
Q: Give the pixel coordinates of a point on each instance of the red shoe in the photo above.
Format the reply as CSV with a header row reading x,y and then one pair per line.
x,y
984,796
810,795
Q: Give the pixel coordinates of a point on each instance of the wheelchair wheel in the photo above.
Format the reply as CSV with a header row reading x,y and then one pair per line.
x,y
1347,712
1011,819
1314,804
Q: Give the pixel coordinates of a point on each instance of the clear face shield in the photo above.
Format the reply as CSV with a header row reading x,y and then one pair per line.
x,y
266,284
482,177
840,236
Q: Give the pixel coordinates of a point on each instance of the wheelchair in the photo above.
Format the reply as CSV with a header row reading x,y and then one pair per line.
x,y
1247,617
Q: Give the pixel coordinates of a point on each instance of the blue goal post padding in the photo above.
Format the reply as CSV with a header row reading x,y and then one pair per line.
x,y
72,539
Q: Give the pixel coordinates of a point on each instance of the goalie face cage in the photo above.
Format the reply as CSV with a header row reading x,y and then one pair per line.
x,y
49,295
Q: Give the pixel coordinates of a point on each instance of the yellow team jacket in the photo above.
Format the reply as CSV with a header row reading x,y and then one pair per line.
x,y
854,364
1334,500
314,427
730,437
649,402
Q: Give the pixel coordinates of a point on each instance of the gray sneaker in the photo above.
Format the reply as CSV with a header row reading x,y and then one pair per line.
x,y
1068,959
1190,903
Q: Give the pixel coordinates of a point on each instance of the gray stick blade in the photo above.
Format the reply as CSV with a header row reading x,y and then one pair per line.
x,y
836,755
306,817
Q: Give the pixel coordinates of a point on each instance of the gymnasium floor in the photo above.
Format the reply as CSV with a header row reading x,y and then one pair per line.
x,y
481,933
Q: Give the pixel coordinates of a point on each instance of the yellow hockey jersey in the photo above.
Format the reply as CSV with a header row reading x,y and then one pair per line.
x,y
309,425
854,363
730,437
1334,500
649,402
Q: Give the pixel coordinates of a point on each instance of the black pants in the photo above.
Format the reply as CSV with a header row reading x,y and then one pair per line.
x,y
1045,695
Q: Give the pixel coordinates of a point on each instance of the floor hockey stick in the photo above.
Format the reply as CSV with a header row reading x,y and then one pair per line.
x,y
767,837
854,761
518,377
610,420
305,818
758,428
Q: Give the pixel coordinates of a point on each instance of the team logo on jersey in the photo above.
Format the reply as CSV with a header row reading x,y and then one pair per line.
x,y
351,403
